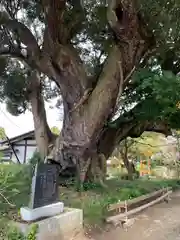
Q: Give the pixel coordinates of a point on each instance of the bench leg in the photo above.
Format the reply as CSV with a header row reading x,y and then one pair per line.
x,y
127,224
126,219
167,199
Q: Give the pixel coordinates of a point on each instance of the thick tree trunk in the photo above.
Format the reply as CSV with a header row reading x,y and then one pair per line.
x,y
129,165
81,161
87,111
43,134
130,168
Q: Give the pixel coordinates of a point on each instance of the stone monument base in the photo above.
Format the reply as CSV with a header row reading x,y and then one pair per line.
x,y
63,226
29,215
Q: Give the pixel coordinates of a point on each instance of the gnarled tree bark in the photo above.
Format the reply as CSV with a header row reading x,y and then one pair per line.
x,y
84,127
44,136
85,140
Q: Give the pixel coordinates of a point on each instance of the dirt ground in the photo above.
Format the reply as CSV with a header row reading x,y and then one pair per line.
x,y
160,222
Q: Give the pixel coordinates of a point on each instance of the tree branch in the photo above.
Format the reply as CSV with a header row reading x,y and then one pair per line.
x,y
43,134
77,18
106,90
6,200
128,125
159,127
54,12
134,129
123,20
11,51
22,32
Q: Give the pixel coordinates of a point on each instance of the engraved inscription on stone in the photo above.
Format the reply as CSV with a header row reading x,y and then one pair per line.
x,y
44,185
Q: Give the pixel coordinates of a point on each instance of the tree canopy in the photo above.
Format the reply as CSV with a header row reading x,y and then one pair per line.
x,y
114,66
89,33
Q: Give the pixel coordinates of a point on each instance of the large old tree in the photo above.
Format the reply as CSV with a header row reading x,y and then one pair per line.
x,y
107,62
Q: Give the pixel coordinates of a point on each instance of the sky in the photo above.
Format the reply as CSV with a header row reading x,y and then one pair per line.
x,y
15,126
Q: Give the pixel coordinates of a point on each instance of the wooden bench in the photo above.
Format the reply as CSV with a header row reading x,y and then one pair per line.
x,y
124,209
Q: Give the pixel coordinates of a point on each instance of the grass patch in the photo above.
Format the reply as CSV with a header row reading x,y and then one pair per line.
x,y
15,180
95,201
15,183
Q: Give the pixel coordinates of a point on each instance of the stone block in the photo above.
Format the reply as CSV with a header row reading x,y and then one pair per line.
x,y
28,214
63,226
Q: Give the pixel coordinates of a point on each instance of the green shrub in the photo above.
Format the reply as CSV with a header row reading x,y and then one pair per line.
x,y
14,233
91,186
33,232
15,182
35,158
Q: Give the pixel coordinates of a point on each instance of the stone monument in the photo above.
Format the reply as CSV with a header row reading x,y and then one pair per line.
x,y
44,200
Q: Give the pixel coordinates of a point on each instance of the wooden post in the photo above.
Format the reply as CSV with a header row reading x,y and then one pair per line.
x,y
126,210
126,215
11,146
25,151
141,168
149,166
168,196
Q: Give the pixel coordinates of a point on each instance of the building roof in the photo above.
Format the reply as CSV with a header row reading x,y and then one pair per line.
x,y
20,137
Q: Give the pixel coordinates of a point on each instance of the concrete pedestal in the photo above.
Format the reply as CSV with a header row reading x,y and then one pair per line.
x,y
63,226
28,214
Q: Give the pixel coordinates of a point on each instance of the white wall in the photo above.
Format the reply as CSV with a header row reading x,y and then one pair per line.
x,y
31,141
21,151
30,152
20,142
